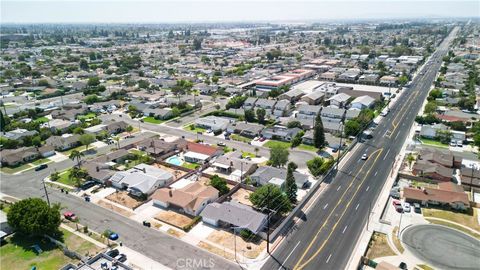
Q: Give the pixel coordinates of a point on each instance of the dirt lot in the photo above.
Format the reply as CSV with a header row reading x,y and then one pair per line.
x,y
241,196
213,249
226,239
123,198
175,233
121,211
173,218
176,173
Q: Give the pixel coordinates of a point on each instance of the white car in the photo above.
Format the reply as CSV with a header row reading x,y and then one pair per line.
x,y
406,207
364,157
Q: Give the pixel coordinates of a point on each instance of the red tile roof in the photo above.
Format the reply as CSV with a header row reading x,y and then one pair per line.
x,y
201,148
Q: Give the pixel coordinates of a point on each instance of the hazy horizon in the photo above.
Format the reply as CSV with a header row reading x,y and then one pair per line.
x,y
198,11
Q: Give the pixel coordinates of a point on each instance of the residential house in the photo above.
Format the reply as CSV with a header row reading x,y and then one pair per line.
x,y
447,193
234,214
314,98
213,123
100,169
292,95
351,114
363,102
281,108
159,113
308,111
15,157
19,134
332,127
266,104
191,199
432,171
430,131
159,147
65,142
280,133
233,164
116,127
271,175
339,100
331,114
57,125
200,153
250,130
350,75
249,103
444,158
388,80
368,79
141,180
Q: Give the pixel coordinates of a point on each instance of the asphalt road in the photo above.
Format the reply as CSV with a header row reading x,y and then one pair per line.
x,y
335,221
458,250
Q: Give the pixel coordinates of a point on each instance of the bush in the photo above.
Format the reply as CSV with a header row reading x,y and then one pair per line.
x,y
195,220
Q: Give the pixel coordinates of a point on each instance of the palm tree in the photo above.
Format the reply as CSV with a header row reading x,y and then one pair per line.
x,y
410,159
76,175
117,139
256,151
75,154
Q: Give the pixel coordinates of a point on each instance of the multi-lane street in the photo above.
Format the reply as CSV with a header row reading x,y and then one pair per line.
x,y
333,224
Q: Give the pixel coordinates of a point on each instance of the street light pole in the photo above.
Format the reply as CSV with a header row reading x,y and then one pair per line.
x,y
46,193
400,225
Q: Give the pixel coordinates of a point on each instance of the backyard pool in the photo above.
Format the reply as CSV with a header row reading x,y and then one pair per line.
x,y
175,160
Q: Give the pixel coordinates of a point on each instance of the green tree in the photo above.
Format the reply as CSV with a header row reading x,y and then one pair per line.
x,y
314,166
87,139
54,176
278,156
272,198
297,140
220,184
91,99
129,129
93,81
76,155
83,64
352,127
77,175
318,133
261,115
249,115
33,217
290,184
431,107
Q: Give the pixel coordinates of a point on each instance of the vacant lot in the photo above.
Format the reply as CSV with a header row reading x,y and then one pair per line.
x,y
226,239
78,244
174,218
215,250
378,246
468,219
123,198
119,210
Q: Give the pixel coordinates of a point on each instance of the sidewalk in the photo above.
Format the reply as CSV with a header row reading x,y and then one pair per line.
x,y
86,237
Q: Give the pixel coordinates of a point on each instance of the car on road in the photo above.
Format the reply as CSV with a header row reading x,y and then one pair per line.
x,y
406,207
113,253
417,208
364,157
41,167
221,144
70,216
112,235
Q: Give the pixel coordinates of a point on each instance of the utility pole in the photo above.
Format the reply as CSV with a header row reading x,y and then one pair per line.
x,y
340,146
400,225
268,221
241,171
46,193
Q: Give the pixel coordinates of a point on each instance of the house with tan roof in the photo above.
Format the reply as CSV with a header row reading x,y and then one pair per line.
x,y
191,199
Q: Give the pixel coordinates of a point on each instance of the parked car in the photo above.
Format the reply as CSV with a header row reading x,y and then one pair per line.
x,y
396,202
453,143
221,144
121,258
459,144
399,208
70,216
262,139
112,235
41,167
406,207
146,223
417,208
87,185
113,253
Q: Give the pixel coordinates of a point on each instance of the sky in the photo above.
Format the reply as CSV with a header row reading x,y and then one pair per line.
x,y
163,11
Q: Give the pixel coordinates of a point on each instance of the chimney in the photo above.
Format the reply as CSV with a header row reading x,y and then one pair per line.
x,y
98,169
170,193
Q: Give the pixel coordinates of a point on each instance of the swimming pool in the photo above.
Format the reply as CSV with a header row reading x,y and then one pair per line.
x,y
175,160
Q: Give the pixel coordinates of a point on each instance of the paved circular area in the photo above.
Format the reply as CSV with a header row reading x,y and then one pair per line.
x,y
443,247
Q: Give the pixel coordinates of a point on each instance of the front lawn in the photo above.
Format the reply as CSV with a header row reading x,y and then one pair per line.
x,y
273,143
194,129
307,147
240,138
12,170
247,154
41,161
42,120
468,219
152,120
433,143
65,179
86,116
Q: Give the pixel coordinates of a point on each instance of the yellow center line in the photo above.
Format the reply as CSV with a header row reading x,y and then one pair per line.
x,y
400,114
297,265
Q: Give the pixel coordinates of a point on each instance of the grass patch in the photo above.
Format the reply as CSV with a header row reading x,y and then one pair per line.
x,y
307,147
194,129
152,120
78,244
86,116
273,143
190,166
65,179
240,138
425,267
454,226
396,241
12,170
41,161
468,218
17,253
247,154
378,246
433,143
80,148
42,120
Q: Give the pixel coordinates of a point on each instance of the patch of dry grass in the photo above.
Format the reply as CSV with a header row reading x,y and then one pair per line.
x,y
226,239
468,219
396,241
378,246
123,198
175,233
114,208
174,218
216,250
